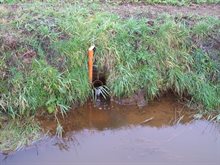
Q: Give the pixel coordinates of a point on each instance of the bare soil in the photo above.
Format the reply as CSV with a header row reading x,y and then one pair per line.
x,y
152,11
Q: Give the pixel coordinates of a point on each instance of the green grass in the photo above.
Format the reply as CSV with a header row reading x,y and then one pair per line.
x,y
14,135
47,68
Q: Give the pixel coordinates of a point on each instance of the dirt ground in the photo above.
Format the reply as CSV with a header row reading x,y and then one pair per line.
x,y
144,10
152,11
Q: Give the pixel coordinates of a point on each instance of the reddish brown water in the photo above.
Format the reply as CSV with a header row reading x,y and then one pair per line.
x,y
161,133
109,115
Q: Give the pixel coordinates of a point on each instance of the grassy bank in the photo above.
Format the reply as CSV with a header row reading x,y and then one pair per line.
x,y
44,61
43,56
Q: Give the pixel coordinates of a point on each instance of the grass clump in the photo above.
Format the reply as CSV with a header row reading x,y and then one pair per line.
x,y
14,135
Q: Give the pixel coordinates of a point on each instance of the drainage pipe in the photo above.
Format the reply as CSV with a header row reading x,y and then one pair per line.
x,y
90,62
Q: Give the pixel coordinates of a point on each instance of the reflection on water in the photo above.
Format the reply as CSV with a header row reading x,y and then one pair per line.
x,y
161,133
163,112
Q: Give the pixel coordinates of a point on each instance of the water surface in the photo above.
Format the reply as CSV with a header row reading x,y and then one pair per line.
x,y
161,133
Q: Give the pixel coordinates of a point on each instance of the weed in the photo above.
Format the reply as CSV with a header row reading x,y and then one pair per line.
x,y
17,134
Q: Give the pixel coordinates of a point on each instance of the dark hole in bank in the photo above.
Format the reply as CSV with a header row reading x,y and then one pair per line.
x,y
98,77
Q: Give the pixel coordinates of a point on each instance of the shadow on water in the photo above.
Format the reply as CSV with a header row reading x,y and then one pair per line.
x,y
163,132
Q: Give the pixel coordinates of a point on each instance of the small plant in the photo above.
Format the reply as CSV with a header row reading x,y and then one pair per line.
x,y
59,130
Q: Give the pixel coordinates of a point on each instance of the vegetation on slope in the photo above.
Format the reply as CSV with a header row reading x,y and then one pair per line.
x,y
44,59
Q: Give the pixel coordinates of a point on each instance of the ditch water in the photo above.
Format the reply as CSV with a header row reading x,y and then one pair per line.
x,y
163,132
